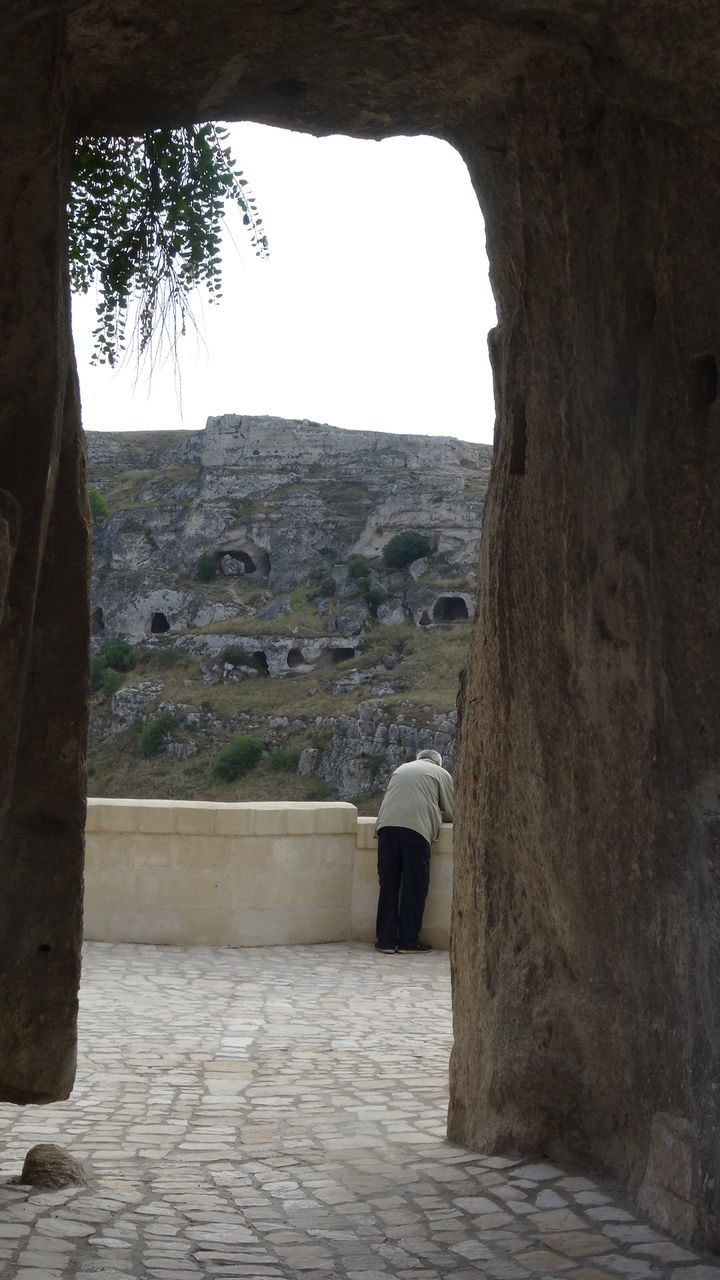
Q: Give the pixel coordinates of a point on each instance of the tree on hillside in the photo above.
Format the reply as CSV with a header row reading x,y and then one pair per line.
x,y
405,547
145,219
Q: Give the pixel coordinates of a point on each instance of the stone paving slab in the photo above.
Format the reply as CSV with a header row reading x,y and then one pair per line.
x,y
280,1112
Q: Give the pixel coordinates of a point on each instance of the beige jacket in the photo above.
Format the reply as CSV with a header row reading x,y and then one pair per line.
x,y
420,796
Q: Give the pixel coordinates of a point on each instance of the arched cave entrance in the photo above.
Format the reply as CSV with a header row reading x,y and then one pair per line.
x,y
260,662
295,658
244,561
425,619
342,654
159,624
97,622
236,562
450,609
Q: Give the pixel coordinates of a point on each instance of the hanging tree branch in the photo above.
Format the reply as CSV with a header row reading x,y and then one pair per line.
x,y
145,219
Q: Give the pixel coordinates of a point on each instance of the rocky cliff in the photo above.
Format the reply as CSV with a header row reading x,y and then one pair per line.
x,y
244,563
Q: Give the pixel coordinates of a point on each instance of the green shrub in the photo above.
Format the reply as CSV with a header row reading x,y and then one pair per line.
x,y
113,656
405,547
283,759
237,758
99,508
151,735
111,681
375,596
206,568
118,654
357,567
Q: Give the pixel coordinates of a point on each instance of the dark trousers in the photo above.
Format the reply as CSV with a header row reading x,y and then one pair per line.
x,y
404,875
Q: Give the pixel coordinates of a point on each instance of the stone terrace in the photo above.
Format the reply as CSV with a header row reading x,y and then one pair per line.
x,y
280,1112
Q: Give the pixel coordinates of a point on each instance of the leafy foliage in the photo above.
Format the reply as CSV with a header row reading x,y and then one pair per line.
x,y
118,654
206,568
145,219
357,568
110,682
152,734
99,508
283,759
115,656
405,547
374,597
237,758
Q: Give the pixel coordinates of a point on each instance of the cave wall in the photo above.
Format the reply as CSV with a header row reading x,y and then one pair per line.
x,y
585,936
586,952
43,580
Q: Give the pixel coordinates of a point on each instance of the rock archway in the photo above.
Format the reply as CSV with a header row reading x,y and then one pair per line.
x,y
247,560
586,941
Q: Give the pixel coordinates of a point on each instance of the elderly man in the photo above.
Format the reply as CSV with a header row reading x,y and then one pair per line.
x,y
418,798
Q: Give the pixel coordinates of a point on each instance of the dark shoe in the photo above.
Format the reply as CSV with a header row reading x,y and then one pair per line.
x,y
387,951
417,946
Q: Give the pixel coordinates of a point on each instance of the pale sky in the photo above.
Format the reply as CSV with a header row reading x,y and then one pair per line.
x,y
372,311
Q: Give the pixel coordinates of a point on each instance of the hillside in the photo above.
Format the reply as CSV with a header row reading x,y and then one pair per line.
x,y
244,565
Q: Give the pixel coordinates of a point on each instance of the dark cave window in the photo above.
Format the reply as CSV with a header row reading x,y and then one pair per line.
x,y
97,621
159,624
342,655
450,609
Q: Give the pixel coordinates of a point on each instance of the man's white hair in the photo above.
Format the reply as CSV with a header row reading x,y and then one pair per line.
x,y
430,755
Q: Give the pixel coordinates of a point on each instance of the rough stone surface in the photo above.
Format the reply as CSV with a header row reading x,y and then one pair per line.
x,y
273,1113
44,631
586,941
586,933
51,1167
294,499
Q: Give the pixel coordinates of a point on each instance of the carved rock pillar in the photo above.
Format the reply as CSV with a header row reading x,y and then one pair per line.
x,y
586,949
43,577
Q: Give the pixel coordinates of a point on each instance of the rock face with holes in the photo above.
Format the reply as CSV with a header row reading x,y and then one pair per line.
x,y
297,516
276,505
586,937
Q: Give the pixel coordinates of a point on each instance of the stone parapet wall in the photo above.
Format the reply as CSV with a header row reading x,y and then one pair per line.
x,y
436,920
180,873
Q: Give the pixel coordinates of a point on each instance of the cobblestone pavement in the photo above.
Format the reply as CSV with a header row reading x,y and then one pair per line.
x,y
280,1112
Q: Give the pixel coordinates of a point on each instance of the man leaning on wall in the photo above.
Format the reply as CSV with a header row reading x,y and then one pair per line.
x,y
418,799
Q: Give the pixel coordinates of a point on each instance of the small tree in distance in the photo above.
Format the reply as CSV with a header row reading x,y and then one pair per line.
x,y
206,568
99,508
405,547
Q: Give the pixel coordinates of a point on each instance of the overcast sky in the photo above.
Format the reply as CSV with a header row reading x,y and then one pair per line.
x,y
372,311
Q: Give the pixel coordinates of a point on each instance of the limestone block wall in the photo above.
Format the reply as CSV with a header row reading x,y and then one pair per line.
x,y
191,872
